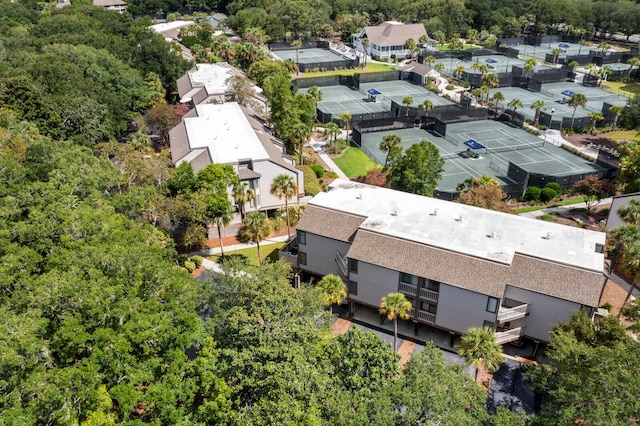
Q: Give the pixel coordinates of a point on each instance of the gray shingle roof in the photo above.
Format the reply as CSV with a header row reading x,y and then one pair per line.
x,y
329,223
394,34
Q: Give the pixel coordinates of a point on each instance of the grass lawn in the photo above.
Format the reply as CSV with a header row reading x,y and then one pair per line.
x,y
575,200
371,67
251,254
354,162
622,135
622,88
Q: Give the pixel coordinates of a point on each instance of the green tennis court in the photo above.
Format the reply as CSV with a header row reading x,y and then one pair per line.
x,y
503,143
339,99
308,56
396,90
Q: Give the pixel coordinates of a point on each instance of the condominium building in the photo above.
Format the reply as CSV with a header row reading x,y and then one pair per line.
x,y
459,266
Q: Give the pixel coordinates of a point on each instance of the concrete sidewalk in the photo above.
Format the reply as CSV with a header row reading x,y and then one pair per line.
x,y
319,147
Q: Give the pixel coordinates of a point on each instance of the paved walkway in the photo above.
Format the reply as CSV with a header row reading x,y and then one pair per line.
x,y
319,144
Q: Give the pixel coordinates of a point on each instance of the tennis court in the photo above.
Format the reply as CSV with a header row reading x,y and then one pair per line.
x,y
540,52
396,90
309,56
339,99
503,144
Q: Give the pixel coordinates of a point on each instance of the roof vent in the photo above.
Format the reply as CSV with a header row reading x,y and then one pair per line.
x,y
492,235
359,196
548,236
394,213
459,218
434,212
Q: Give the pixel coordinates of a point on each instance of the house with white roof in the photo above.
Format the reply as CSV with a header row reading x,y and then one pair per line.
x,y
231,134
460,266
389,38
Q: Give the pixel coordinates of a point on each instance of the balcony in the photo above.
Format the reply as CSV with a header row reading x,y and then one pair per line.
x,y
427,317
427,294
507,336
343,265
407,289
511,314
289,253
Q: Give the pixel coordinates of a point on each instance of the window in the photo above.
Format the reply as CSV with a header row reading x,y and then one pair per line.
x,y
353,288
302,237
492,305
302,258
599,248
433,285
408,278
428,307
353,266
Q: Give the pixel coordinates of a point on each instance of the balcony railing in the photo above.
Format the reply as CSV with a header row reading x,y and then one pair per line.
x,y
507,336
427,317
290,252
407,289
510,314
341,260
427,294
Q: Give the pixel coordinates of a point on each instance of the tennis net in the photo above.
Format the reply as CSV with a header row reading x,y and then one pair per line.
x,y
516,147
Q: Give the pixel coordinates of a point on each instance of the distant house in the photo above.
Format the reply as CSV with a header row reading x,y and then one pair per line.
x,y
117,5
208,83
389,39
417,72
459,266
216,20
171,30
231,134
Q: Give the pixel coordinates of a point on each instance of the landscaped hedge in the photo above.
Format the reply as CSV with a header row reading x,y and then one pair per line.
x,y
311,185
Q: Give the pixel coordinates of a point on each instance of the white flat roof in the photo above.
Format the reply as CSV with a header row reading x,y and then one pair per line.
x,y
225,131
212,76
465,229
166,26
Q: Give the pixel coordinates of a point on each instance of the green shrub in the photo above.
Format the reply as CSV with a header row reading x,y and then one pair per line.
x,y
318,170
532,193
449,87
547,194
330,175
548,217
466,84
608,306
555,186
190,266
311,185
197,260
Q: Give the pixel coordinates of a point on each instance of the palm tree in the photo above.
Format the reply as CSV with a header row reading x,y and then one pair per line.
x,y
242,194
631,261
429,60
221,215
603,47
456,44
617,110
365,45
390,145
618,240
407,100
529,66
345,117
315,93
630,213
595,117
556,53
332,288
514,104
497,98
633,62
410,45
297,44
479,348
439,67
480,92
332,130
256,227
283,186
576,100
458,71
490,80
298,136
441,38
537,106
393,306
427,106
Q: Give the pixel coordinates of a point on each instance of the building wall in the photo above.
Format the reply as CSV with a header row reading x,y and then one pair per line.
x,y
321,254
374,283
460,309
543,311
269,170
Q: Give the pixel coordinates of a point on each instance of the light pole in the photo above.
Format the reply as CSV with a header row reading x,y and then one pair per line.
x,y
553,110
